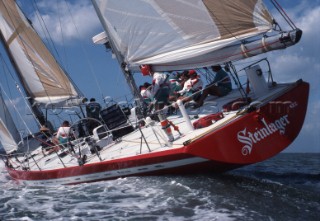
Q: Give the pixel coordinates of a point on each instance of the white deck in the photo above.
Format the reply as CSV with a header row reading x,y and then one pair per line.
x,y
132,144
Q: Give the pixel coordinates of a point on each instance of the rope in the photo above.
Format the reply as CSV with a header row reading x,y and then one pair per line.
x,y
44,27
16,109
283,13
85,51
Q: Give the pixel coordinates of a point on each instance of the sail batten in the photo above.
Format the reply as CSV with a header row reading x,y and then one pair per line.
x,y
40,74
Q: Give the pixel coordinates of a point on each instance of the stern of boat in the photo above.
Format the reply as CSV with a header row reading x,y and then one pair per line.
x,y
257,134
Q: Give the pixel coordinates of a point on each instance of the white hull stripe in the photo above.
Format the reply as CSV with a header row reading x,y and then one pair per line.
x,y
117,173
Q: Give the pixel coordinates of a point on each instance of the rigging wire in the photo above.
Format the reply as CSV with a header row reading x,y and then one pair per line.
x,y
230,66
63,40
25,48
46,32
283,14
85,52
11,102
16,109
6,70
63,71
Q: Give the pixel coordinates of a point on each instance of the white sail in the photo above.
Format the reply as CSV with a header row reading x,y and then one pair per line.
x,y
9,135
174,34
44,81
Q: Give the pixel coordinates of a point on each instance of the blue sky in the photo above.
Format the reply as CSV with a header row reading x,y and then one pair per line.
x,y
98,75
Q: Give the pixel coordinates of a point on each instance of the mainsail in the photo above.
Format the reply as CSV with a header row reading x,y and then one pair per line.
x,y
43,80
175,34
9,135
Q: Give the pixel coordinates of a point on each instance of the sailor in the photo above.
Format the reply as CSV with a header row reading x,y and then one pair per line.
x,y
145,91
220,86
160,89
46,138
184,76
192,85
63,132
174,86
93,109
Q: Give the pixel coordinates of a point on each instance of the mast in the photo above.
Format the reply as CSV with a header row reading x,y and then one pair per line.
x,y
126,73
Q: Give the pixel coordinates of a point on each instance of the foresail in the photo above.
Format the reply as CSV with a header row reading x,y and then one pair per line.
x,y
43,79
166,33
9,135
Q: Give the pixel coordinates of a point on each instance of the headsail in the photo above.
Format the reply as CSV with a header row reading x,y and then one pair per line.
x,y
44,81
9,135
174,34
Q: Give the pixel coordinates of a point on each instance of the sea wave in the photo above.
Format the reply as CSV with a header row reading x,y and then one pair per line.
x,y
256,192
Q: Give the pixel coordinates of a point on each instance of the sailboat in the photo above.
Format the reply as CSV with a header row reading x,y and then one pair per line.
x,y
165,36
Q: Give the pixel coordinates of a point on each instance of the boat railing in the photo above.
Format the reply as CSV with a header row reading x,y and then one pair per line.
x,y
24,163
76,146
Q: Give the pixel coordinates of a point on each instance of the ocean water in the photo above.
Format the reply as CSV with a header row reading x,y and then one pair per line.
x,y
286,187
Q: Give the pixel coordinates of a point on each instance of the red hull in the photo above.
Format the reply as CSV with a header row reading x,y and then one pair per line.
x,y
258,135
252,138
